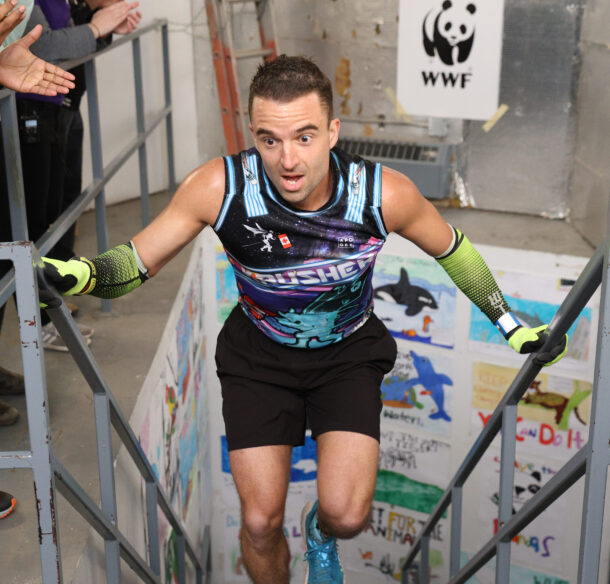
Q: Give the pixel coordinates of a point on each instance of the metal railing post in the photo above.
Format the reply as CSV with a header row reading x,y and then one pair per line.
x,y
37,413
12,165
424,560
107,485
597,446
456,531
507,483
181,556
152,524
97,163
169,128
142,161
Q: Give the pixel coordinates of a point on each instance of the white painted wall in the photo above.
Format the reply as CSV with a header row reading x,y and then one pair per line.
x,y
117,100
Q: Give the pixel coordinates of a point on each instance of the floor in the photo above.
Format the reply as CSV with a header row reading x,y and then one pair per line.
x,y
124,345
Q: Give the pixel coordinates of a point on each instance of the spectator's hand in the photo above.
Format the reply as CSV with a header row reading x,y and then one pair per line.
x,y
530,340
22,71
107,19
9,20
129,24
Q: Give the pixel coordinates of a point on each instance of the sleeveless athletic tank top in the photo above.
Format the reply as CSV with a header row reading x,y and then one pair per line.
x,y
304,277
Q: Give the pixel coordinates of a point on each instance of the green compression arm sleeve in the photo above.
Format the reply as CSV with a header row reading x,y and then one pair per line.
x,y
472,276
109,275
116,272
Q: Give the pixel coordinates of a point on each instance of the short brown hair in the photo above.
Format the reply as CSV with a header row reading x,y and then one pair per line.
x,y
286,78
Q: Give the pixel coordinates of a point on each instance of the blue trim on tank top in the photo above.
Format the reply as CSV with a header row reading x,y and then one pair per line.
x,y
227,202
376,207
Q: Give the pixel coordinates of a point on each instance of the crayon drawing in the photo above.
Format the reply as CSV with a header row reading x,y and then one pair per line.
x,y
415,299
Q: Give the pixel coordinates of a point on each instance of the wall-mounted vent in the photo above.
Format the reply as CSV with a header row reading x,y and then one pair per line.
x,y
428,166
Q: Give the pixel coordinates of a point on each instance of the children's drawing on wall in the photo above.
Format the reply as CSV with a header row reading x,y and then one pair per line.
x,y
520,574
553,413
413,470
379,551
541,544
173,430
415,299
416,394
534,301
226,289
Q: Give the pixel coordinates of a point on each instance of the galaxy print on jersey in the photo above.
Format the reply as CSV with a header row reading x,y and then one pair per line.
x,y
304,277
311,305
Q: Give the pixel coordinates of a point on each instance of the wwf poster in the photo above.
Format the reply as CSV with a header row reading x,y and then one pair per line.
x,y
449,57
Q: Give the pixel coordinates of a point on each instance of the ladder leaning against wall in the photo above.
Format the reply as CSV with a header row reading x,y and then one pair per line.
x,y
230,62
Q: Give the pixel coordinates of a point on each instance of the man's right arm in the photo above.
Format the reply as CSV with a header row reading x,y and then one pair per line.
x,y
197,203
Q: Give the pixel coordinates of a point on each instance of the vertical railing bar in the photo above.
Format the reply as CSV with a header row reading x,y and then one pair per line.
x,y
97,163
424,560
152,522
181,554
208,563
105,456
597,446
13,168
37,413
142,160
169,128
507,483
456,531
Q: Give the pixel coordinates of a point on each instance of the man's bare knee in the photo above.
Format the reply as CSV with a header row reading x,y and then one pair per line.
x,y
344,520
261,528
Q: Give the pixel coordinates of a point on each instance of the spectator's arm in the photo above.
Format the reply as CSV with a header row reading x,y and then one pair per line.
x,y
64,43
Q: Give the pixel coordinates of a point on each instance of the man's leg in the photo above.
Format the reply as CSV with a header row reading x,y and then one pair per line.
x,y
262,475
347,471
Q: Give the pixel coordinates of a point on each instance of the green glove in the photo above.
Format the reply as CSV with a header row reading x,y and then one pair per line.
x,y
109,275
530,340
69,278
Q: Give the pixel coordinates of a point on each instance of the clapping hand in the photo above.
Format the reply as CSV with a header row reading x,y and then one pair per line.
x,y
10,16
22,71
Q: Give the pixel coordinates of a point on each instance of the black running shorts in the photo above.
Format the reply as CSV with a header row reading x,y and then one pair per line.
x,y
269,391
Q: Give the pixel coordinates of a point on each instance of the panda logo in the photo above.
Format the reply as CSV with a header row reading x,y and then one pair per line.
x,y
450,31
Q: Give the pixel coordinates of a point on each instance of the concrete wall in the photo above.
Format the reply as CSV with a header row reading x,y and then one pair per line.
x,y
590,187
522,165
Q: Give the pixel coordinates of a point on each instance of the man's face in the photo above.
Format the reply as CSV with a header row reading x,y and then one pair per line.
x,y
294,139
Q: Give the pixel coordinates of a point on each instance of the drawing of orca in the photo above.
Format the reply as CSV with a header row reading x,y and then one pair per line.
x,y
415,298
433,383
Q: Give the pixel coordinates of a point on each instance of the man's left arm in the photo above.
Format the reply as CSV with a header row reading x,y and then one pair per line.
x,y
407,213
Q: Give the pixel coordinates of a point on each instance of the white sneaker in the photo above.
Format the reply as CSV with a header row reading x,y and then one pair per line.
x,y
52,340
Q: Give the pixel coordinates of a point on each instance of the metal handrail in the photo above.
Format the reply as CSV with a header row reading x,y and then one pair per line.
x,y
101,174
48,472
504,418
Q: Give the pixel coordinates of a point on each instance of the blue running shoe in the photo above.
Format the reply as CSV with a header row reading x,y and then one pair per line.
x,y
322,555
